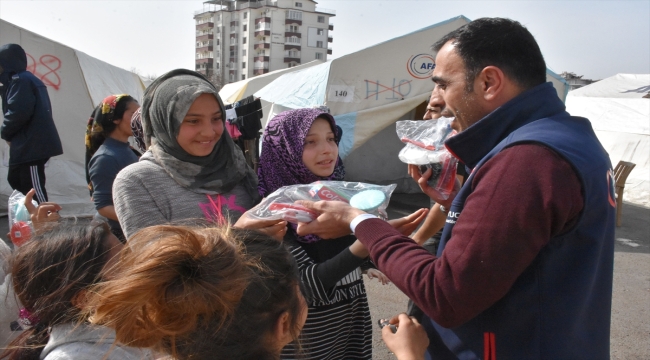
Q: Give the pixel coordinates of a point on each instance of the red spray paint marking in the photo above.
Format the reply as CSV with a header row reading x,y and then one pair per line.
x,y
45,69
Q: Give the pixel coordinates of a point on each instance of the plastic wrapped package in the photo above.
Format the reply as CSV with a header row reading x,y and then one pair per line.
x,y
280,204
425,147
20,223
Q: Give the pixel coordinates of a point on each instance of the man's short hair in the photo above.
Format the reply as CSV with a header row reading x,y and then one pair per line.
x,y
499,42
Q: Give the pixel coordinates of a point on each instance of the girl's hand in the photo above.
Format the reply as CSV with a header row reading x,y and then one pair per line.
x,y
43,213
273,228
376,274
407,224
409,342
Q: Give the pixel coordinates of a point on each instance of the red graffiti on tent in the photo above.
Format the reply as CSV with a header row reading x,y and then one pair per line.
x,y
45,69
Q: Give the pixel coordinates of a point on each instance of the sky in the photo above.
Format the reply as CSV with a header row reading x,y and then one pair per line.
x,y
596,39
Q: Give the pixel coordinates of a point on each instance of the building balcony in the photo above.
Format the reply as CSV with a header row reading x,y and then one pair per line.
x,y
289,34
259,66
233,71
262,20
263,27
262,33
260,71
326,11
234,23
331,27
292,47
205,37
205,48
329,51
262,45
292,21
292,59
234,47
234,29
261,58
208,61
330,39
205,26
291,41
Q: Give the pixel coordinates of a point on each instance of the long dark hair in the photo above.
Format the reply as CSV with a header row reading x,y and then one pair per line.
x,y
194,292
48,272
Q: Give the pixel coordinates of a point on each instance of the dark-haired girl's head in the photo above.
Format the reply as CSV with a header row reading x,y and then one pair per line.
x,y
112,116
51,274
200,293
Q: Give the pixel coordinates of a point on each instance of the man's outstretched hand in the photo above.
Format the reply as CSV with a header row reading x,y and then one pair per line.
x,y
333,221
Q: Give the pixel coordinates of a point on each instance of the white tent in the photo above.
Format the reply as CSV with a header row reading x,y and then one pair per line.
x,y
233,92
76,83
367,92
620,115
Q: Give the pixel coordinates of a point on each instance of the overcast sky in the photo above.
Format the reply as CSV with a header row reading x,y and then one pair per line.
x,y
596,39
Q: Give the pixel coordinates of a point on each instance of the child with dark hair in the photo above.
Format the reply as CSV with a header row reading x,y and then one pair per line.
x,y
300,147
203,293
51,276
108,151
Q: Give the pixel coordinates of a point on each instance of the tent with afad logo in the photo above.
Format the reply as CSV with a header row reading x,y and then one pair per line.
x,y
76,83
367,92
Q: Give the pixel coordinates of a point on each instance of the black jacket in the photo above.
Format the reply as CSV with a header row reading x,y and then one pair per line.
x,y
28,123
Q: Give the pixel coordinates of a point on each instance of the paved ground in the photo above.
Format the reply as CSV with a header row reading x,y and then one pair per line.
x,y
631,297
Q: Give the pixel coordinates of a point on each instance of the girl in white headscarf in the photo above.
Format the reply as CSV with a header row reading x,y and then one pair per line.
x,y
192,168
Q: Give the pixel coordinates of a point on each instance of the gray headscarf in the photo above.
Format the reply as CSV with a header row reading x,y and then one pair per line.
x,y
165,104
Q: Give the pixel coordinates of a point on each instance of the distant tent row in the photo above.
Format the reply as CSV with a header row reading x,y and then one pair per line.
x,y
619,110
367,92
76,83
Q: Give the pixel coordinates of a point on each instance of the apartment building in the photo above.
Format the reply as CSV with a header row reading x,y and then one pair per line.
x,y
238,39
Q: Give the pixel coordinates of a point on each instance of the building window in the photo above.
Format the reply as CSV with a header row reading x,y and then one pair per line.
x,y
217,42
294,15
321,19
319,44
244,28
243,40
298,4
293,28
246,15
319,31
243,65
243,77
319,56
243,52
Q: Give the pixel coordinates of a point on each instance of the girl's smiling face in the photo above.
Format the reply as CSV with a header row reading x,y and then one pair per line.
x,y
202,126
320,151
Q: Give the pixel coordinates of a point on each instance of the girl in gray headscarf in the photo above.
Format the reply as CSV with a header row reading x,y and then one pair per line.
x,y
192,168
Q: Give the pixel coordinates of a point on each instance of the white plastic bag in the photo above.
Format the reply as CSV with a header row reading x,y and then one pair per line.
x,y
425,147
370,198
20,222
